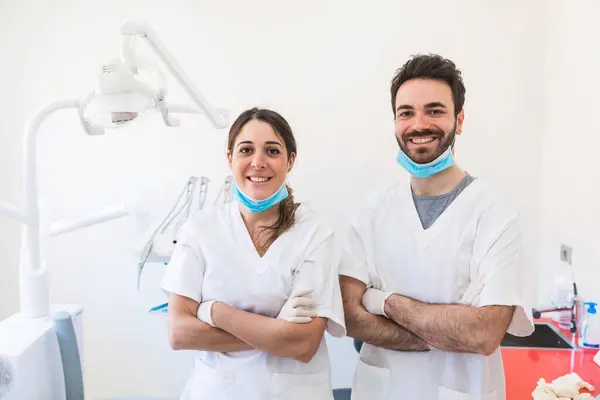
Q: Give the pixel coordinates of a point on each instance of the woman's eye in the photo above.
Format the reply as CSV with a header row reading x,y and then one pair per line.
x,y
273,152
245,150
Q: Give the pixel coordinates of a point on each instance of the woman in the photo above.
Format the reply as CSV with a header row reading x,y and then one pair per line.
x,y
253,284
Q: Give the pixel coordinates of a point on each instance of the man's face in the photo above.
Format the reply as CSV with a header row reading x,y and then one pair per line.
x,y
425,123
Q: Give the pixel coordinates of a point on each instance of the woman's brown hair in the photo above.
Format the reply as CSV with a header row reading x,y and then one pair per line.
x,y
287,208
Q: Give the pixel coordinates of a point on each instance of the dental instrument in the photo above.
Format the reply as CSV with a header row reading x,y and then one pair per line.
x,y
225,195
166,239
225,191
30,349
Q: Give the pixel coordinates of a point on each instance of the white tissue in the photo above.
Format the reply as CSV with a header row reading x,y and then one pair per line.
x,y
569,385
543,391
584,396
566,387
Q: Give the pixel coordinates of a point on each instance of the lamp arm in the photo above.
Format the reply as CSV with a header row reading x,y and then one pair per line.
x,y
218,117
33,279
59,228
13,212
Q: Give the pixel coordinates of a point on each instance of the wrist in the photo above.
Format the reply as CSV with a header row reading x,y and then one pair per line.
x,y
393,306
217,311
387,305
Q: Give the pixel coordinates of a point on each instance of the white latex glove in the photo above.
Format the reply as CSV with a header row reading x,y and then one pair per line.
x,y
204,312
471,295
584,396
374,301
299,308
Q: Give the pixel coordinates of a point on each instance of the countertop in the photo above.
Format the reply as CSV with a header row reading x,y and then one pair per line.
x,y
523,367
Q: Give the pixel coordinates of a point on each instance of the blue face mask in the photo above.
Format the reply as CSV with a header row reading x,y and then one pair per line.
x,y
444,161
257,206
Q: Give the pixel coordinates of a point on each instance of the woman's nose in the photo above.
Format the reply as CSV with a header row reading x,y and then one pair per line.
x,y
258,161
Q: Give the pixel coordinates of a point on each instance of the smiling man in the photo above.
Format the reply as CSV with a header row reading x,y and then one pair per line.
x,y
431,274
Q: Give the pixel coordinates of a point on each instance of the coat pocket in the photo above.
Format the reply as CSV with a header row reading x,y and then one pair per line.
x,y
447,394
208,383
370,383
301,386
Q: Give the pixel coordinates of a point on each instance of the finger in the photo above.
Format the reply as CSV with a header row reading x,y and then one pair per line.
x,y
306,312
302,302
301,293
300,320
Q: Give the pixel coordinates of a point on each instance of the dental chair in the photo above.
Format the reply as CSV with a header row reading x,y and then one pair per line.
x,y
346,393
71,361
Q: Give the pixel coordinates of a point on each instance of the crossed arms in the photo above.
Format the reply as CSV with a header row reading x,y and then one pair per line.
x,y
237,330
414,325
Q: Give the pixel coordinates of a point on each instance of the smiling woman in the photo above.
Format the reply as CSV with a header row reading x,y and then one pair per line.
x,y
261,152
253,284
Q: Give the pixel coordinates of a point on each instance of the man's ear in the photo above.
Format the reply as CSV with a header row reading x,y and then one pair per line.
x,y
459,121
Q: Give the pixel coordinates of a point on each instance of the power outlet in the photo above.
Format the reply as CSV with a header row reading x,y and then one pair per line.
x,y
565,253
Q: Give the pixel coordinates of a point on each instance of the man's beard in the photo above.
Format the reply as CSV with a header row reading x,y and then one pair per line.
x,y
444,142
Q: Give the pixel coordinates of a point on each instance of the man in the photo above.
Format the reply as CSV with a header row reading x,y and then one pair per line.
x,y
431,278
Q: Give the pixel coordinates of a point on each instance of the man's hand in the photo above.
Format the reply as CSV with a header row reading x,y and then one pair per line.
x,y
452,327
188,332
374,329
299,308
374,300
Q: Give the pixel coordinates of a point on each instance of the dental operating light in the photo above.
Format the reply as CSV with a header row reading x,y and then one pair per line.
x,y
120,98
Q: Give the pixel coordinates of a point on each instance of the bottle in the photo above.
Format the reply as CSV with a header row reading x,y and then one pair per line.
x,y
590,334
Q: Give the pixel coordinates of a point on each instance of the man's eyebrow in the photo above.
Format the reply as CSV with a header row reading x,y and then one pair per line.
x,y
404,107
435,104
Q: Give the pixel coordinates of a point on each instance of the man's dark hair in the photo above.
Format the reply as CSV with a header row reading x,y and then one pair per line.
x,y
431,66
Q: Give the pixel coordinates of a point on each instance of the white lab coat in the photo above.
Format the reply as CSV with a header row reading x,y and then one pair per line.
x,y
388,249
215,259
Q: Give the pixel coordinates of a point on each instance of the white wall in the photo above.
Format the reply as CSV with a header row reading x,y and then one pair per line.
x,y
325,65
571,175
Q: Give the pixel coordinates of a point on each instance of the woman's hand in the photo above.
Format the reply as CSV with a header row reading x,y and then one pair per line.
x,y
299,308
205,312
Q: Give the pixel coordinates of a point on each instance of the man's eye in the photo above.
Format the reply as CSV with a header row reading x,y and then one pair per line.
x,y
404,114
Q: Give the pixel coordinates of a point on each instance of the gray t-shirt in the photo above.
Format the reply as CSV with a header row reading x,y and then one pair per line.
x,y
430,208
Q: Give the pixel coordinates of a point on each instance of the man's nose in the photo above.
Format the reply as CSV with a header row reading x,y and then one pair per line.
x,y
420,123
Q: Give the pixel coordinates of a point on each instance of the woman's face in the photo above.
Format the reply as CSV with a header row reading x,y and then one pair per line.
x,y
259,161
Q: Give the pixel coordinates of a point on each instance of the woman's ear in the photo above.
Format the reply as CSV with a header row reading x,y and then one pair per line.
x,y
291,162
229,156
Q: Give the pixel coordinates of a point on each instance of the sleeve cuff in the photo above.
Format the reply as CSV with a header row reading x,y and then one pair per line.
x,y
521,323
180,290
363,277
336,325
